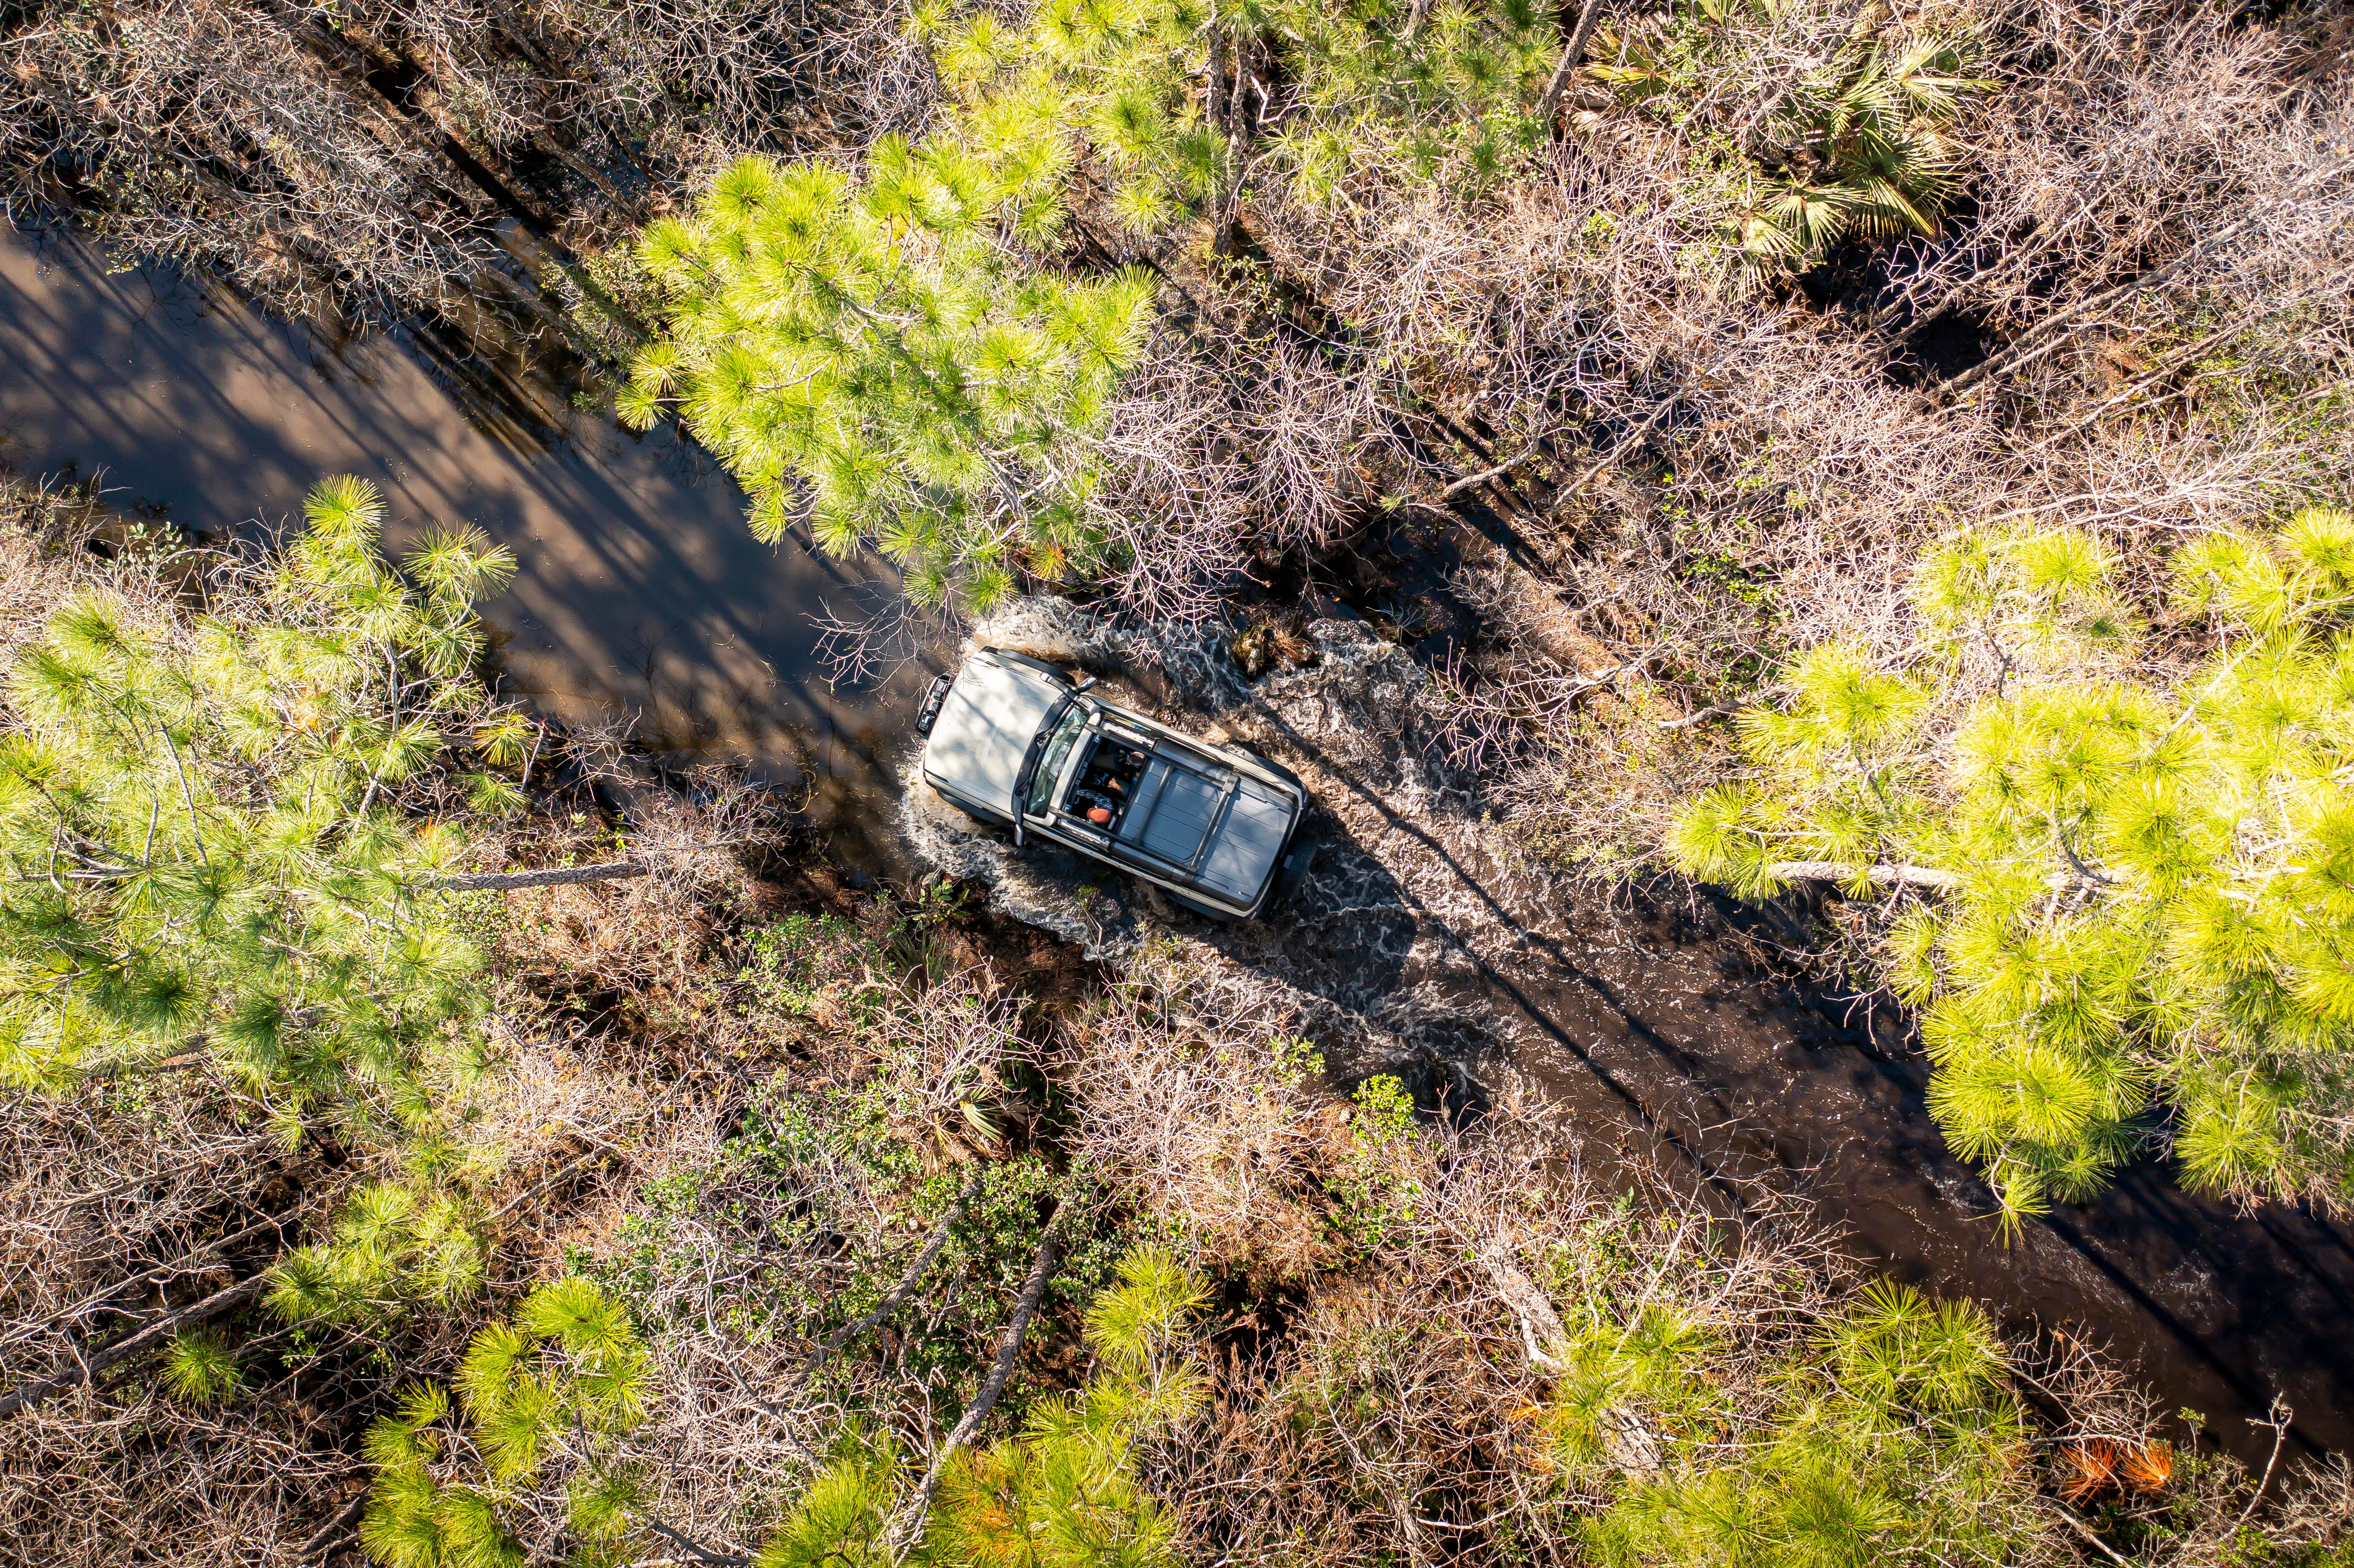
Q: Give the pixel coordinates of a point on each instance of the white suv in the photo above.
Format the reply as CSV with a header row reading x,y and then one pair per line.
x,y
1014,741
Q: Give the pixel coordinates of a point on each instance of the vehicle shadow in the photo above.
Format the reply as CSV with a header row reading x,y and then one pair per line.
x,y
1344,946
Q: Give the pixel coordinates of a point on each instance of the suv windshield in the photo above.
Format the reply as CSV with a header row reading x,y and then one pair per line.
x,y
1050,764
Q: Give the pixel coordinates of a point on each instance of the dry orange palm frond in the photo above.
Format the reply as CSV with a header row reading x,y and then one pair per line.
x,y
2148,1468
2087,1468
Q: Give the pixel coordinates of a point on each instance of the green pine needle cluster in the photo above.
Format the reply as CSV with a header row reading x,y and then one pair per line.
x,y
1125,88
549,1400
842,1518
1064,1493
393,1242
882,352
199,851
2140,913
1457,100
200,1366
547,1395
1113,82
1893,1438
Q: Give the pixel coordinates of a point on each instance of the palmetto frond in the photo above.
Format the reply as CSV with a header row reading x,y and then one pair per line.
x,y
1864,146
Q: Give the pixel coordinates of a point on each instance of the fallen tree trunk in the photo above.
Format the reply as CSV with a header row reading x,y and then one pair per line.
x,y
1883,875
1572,55
87,1368
1008,1346
899,1292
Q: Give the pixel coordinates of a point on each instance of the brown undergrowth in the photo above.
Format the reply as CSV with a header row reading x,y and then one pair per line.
x,y
2134,318
743,1103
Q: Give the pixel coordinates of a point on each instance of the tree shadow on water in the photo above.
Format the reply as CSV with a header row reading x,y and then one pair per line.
x,y
2218,1309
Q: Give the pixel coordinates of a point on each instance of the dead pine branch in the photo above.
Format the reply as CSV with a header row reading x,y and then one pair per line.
x,y
1009,1346
1882,875
87,1368
333,1530
695,1548
553,876
1573,53
898,1293
2050,333
2278,1419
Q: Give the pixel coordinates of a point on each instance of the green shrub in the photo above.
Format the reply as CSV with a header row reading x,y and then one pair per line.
x,y
1376,1191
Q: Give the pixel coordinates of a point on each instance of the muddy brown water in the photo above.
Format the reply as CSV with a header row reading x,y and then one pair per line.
x,y
1668,1025
1675,1031
641,595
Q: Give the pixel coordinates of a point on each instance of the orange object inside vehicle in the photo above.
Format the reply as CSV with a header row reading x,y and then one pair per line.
x,y
1097,815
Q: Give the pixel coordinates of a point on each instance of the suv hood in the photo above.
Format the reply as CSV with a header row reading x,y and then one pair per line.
x,y
984,729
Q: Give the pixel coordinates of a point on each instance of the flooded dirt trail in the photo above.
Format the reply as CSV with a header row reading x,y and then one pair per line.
x,y
641,595
1670,1038
1415,948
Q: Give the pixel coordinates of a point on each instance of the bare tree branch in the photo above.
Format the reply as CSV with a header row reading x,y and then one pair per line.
x,y
1008,1346
86,1368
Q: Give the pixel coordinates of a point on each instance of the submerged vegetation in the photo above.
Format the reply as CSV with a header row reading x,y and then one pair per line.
x,y
1891,461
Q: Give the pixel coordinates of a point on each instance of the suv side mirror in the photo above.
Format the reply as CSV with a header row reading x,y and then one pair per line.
x,y
1084,683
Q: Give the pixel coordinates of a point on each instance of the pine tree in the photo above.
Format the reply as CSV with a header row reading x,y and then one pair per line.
x,y
1064,1493
534,1458
224,843
546,1396
1152,93
886,350
2140,897
199,852
1891,1439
